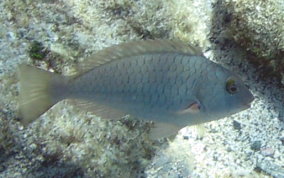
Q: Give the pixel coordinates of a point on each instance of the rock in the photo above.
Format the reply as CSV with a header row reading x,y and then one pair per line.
x,y
282,140
258,27
256,145
267,151
69,142
237,125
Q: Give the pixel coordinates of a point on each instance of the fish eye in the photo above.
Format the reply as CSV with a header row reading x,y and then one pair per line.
x,y
231,86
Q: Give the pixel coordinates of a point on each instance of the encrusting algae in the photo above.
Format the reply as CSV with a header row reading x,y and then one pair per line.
x,y
165,81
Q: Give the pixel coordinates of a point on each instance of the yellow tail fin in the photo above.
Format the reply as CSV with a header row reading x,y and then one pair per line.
x,y
36,92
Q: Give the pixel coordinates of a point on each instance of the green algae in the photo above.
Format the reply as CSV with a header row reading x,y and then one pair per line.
x,y
37,51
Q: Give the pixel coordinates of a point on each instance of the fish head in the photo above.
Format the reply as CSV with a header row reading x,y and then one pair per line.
x,y
223,94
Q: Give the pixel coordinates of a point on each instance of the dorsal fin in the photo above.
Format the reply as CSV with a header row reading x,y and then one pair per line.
x,y
135,48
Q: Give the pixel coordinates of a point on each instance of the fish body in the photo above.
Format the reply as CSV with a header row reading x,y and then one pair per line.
x,y
161,80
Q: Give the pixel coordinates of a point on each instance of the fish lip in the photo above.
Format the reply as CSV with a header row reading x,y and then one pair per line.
x,y
251,99
248,103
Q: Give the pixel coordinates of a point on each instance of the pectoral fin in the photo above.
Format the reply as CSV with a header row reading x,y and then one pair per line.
x,y
192,108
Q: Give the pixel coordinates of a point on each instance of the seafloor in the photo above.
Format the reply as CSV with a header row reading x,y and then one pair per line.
x,y
56,35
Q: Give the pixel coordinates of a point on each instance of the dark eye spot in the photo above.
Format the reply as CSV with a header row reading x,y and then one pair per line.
x,y
231,86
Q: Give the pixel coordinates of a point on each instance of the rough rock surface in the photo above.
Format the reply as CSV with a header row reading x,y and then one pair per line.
x,y
258,27
56,35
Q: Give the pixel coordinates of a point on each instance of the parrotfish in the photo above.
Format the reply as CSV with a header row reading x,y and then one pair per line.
x,y
168,82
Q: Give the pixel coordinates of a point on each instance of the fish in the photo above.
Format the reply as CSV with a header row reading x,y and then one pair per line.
x,y
168,82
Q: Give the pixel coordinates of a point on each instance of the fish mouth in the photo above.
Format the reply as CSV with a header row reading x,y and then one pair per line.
x,y
251,98
247,105
248,102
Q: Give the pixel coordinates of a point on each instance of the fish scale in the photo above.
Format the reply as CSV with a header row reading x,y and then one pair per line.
x,y
123,84
168,82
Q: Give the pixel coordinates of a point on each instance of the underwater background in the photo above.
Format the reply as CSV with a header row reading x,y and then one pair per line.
x,y
246,37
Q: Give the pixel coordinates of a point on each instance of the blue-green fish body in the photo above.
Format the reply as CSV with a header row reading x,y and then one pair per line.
x,y
164,81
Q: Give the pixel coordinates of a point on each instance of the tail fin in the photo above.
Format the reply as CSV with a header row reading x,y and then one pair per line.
x,y
37,91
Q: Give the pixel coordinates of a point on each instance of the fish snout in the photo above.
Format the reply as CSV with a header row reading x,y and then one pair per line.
x,y
248,100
